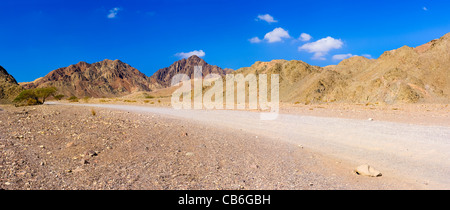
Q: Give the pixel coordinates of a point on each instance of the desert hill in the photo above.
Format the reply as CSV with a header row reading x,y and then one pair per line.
x,y
106,78
404,75
9,88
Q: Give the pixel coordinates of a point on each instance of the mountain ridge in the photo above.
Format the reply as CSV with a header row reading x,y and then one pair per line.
x,y
105,78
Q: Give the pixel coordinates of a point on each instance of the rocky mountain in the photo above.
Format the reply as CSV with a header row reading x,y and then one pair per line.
x,y
9,88
404,75
106,78
186,66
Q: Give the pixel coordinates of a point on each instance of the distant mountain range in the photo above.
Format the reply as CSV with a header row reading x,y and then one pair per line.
x,y
404,75
110,78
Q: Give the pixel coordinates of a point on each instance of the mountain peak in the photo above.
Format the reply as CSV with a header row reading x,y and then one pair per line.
x,y
186,66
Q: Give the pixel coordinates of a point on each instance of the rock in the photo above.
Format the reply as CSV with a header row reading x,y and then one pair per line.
x,y
370,119
189,154
70,144
78,169
254,166
91,153
367,170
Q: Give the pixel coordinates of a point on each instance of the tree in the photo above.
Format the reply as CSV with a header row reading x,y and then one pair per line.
x,y
28,95
31,96
44,93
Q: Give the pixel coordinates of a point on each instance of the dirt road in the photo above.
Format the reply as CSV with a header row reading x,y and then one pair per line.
x,y
415,154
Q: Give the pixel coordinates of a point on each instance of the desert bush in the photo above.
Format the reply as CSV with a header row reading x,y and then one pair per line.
x,y
73,99
59,97
86,99
93,112
130,101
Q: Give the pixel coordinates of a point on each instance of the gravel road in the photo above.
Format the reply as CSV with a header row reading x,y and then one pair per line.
x,y
412,153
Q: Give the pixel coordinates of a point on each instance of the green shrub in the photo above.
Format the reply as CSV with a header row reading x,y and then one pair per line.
x,y
59,97
31,96
73,99
86,99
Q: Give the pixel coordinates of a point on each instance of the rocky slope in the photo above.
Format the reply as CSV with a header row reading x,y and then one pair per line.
x,y
9,88
106,78
186,66
405,75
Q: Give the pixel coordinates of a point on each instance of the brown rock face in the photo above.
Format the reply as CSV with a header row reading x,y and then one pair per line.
x,y
8,86
102,79
186,66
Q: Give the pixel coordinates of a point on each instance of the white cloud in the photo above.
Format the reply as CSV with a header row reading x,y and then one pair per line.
x,y
276,35
268,18
367,56
255,40
321,47
199,53
113,12
305,37
425,9
340,57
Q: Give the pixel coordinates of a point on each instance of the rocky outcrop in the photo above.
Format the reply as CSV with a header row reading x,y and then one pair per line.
x,y
9,88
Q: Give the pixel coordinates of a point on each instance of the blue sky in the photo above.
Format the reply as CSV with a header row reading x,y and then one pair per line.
x,y
39,36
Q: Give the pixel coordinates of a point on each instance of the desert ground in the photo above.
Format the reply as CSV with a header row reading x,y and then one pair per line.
x,y
133,145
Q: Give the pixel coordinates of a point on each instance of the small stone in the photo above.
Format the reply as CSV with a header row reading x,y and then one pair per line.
x,y
189,154
70,144
367,170
254,166
84,162
91,153
78,170
7,183
370,119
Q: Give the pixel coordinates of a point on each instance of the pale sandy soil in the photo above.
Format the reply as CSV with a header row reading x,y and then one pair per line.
x,y
419,114
48,147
